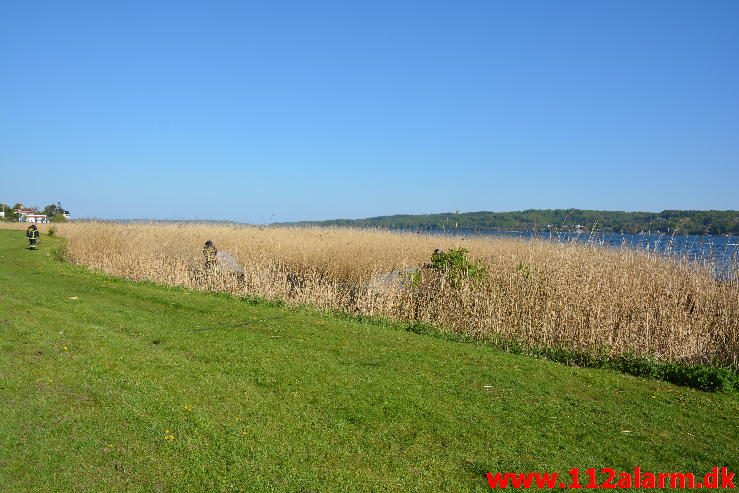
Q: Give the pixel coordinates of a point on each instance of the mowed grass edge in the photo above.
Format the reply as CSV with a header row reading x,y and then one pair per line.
x,y
109,385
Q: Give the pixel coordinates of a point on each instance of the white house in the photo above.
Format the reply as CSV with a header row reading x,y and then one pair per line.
x,y
30,216
36,218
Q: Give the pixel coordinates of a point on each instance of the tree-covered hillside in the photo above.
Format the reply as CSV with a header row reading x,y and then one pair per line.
x,y
672,221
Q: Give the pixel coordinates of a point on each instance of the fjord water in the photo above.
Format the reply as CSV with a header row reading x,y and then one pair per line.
x,y
719,252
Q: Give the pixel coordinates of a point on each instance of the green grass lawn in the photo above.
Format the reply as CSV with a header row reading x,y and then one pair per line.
x,y
111,385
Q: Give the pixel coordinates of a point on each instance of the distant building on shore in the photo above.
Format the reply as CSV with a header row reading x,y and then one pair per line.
x,y
30,216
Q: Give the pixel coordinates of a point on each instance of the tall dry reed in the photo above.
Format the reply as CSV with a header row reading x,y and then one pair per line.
x,y
537,293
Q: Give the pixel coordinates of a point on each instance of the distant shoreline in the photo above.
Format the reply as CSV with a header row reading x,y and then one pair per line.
x,y
539,221
712,222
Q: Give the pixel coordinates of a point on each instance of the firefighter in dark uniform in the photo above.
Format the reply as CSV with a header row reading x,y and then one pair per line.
x,y
209,252
32,234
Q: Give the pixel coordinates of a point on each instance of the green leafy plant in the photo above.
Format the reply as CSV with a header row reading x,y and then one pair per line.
x,y
456,266
524,269
59,253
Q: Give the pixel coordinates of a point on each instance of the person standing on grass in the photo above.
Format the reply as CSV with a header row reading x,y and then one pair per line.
x,y
32,234
209,252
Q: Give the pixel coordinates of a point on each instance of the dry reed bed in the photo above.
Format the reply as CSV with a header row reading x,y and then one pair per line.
x,y
538,293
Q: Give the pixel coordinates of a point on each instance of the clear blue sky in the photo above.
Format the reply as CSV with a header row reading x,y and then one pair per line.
x,y
275,111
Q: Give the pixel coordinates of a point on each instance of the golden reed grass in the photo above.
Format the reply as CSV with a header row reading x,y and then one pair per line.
x,y
538,293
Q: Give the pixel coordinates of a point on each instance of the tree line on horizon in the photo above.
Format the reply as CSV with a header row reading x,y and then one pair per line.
x,y
668,221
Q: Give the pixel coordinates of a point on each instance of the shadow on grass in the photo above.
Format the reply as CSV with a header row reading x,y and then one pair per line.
x,y
699,376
